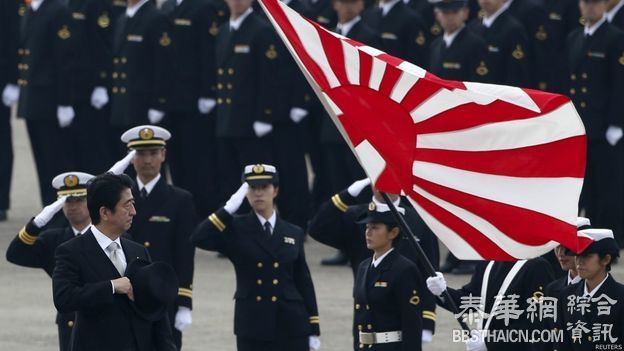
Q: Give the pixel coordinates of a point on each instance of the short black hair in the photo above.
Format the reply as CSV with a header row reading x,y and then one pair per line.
x,y
105,190
614,259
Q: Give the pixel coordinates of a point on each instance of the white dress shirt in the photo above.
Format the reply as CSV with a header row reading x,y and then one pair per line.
x,y
104,242
489,20
595,290
614,11
132,10
448,38
77,232
235,24
387,6
35,4
345,28
591,30
271,220
149,186
377,261
573,280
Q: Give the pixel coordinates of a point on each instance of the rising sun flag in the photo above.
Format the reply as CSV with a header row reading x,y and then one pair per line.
x,y
495,171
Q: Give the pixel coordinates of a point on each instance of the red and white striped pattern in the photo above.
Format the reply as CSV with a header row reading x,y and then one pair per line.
x,y
495,171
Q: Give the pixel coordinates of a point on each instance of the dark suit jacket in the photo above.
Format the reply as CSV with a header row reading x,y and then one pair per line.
x,y
388,298
274,291
461,60
46,59
163,224
141,66
596,78
106,321
247,66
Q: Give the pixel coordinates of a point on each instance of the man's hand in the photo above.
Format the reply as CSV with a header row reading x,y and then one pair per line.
x,y
10,95
48,212
205,105
123,286
314,342
297,114
99,97
183,318
65,116
262,128
120,166
155,116
234,203
613,135
356,188
436,284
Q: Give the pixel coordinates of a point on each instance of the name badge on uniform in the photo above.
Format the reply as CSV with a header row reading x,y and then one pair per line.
x,y
241,49
596,54
492,48
182,22
78,16
381,284
554,16
289,240
390,36
161,219
451,65
135,38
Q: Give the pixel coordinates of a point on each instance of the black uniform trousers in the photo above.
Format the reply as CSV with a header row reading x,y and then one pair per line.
x,y
298,344
6,156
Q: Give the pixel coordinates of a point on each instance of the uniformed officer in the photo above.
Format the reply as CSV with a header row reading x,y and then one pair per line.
x,y
388,289
402,31
562,18
506,60
34,247
141,66
596,84
615,14
425,9
247,71
275,299
192,110
44,79
520,284
9,34
336,225
455,55
592,312
92,32
165,218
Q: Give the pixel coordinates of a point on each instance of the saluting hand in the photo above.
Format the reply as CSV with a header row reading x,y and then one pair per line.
x,y
48,212
234,203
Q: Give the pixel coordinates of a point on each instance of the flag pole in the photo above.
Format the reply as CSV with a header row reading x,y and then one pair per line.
x,y
405,229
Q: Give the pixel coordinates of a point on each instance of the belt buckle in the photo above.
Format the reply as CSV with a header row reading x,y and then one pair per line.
x,y
367,338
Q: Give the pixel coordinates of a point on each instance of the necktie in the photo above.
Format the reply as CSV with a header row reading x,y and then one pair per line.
x,y
267,229
114,257
143,193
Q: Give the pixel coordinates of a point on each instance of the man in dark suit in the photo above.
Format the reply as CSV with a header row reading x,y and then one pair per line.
x,y
506,61
44,80
89,276
596,85
34,246
9,34
336,225
275,300
141,65
248,58
403,33
165,218
192,115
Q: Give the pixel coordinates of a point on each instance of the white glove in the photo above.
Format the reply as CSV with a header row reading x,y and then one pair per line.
x,y
314,342
120,166
427,336
356,188
476,342
205,105
183,318
261,128
65,116
10,95
614,134
234,203
155,116
436,284
99,97
48,212
297,114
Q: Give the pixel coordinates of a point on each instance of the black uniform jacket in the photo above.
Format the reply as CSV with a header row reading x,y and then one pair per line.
x,y
461,60
10,11
45,61
388,298
335,225
274,290
141,66
163,224
106,321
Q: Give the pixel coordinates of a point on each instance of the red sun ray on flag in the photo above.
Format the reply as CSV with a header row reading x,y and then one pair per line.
x,y
495,171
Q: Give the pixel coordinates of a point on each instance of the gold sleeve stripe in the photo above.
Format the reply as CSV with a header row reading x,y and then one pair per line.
x,y
217,222
26,238
337,201
185,292
429,315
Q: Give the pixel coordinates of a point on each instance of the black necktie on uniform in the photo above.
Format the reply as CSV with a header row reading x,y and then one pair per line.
x,y
143,193
267,229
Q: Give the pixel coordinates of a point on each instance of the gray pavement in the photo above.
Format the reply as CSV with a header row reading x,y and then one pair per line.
x,y
27,312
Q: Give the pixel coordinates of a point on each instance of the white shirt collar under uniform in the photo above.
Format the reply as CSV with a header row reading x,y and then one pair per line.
x,y
235,24
489,20
591,30
573,280
614,11
345,28
448,38
149,186
387,6
271,220
35,4
77,232
591,293
132,10
377,261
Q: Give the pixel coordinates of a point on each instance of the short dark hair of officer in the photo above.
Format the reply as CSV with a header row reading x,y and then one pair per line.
x,y
106,195
382,229
263,183
346,10
593,10
451,14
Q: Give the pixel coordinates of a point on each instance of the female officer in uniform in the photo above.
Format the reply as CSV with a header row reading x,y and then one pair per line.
x,y
387,290
275,301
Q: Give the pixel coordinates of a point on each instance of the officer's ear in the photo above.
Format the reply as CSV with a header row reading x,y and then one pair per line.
x,y
275,191
164,154
393,233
